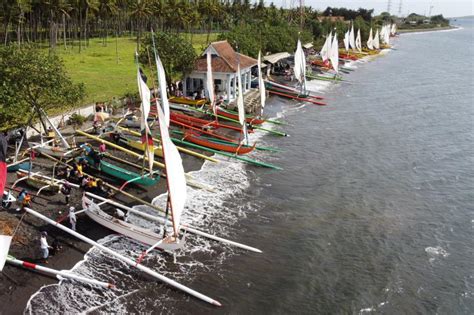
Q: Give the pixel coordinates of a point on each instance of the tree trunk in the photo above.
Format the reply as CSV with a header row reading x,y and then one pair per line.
x,y
18,30
80,31
64,31
85,26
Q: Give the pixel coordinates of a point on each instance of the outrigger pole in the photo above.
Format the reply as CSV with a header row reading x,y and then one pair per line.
x,y
189,180
126,260
183,227
12,260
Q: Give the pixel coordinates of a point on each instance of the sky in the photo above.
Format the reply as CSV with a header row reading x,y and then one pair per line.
x,y
449,8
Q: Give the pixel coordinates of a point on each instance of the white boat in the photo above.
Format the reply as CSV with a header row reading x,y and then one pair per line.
x,y
56,151
134,232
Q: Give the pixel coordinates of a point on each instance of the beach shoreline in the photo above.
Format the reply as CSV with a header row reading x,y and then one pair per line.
x,y
419,30
18,284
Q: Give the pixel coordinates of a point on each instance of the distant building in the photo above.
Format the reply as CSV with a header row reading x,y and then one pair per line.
x,y
224,70
331,18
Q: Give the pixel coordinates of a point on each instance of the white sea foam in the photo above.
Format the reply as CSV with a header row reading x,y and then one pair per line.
x,y
437,251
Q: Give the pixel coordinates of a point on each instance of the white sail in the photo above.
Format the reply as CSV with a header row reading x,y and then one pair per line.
x,y
174,170
370,41
240,97
393,30
174,174
327,47
5,241
261,83
376,40
358,41
162,83
144,128
387,35
334,56
210,82
300,64
346,40
351,38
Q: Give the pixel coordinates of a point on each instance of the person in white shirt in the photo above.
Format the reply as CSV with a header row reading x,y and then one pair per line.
x,y
72,218
44,246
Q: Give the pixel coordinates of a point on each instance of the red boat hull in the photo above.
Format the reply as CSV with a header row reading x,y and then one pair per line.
x,y
236,149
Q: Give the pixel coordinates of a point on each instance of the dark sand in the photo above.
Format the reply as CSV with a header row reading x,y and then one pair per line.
x,y
18,284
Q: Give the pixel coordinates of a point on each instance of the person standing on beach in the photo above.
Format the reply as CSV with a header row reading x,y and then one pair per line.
x,y
102,148
72,218
66,191
44,247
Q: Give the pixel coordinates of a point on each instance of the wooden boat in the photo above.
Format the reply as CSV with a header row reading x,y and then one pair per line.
x,y
136,144
200,123
121,173
20,166
134,232
187,101
250,120
56,151
345,55
218,145
38,182
134,122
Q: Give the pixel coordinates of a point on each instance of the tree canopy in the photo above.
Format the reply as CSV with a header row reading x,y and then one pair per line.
x,y
31,79
177,54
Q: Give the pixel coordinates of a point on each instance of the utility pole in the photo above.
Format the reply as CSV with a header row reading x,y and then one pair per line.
x,y
431,8
389,5
400,9
301,15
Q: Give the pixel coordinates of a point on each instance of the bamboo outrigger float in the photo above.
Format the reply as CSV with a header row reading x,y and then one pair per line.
x,y
126,260
58,273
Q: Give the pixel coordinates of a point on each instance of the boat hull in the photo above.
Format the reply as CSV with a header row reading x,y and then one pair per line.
x,y
39,183
58,152
20,166
134,232
250,120
231,148
140,146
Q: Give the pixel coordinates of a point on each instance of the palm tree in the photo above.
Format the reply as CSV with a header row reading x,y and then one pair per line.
x,y
140,11
107,8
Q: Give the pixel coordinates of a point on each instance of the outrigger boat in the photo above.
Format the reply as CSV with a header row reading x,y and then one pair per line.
x,y
200,122
38,182
119,172
64,150
138,145
187,101
134,232
218,145
250,120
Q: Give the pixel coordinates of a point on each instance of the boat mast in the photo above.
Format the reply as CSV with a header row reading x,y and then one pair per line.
x,y
175,176
144,92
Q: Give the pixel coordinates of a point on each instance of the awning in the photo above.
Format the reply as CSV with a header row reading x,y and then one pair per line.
x,y
308,45
276,57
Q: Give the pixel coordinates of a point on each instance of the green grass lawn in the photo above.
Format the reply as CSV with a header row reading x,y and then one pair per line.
x,y
109,71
